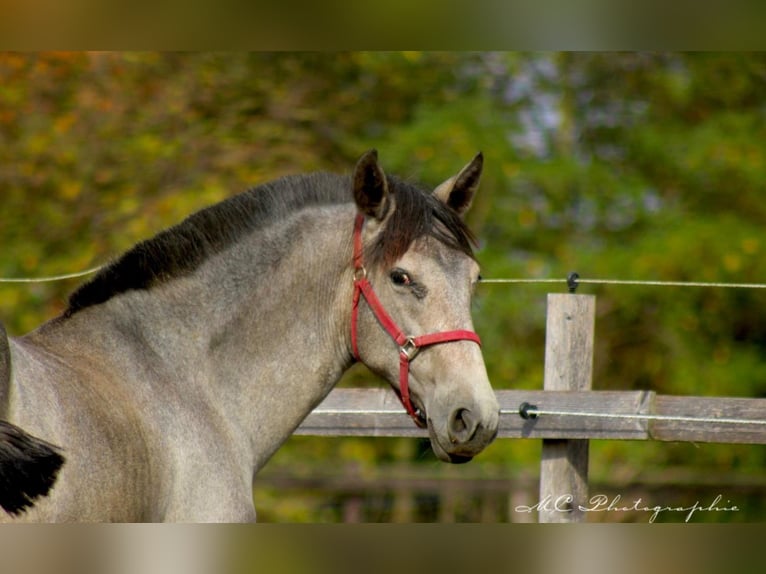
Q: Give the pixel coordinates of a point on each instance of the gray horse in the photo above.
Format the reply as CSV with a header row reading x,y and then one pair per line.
x,y
177,371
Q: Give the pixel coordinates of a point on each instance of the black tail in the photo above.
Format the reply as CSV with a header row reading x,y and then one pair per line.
x,y
28,468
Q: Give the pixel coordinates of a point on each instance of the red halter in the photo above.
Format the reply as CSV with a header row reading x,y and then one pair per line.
x,y
408,346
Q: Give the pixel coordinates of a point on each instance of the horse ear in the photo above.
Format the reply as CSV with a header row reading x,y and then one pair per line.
x,y
458,191
370,186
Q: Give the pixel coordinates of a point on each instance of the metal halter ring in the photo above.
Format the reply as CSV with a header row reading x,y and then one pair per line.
x,y
409,349
360,273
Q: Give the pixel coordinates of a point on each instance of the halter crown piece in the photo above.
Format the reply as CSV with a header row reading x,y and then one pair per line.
x,y
409,346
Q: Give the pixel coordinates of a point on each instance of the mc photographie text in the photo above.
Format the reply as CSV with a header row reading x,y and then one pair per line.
x,y
601,503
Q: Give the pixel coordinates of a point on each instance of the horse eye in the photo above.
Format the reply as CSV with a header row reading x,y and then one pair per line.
x,y
400,277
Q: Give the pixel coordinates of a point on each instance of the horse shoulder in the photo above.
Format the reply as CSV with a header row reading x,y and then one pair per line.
x,y
64,394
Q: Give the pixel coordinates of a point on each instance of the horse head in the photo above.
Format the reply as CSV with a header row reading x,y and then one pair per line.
x,y
415,271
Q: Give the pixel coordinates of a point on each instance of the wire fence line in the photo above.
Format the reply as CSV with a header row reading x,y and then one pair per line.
x,y
534,412
631,282
564,281
51,278
531,411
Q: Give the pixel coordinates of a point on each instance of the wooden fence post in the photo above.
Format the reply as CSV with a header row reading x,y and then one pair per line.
x,y
568,367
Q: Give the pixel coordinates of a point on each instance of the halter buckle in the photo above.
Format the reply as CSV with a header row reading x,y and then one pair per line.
x,y
409,349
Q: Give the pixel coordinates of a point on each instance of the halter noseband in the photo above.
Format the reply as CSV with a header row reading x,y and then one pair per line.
x,y
409,346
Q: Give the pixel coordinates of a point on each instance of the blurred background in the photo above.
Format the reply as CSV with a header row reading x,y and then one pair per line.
x,y
616,165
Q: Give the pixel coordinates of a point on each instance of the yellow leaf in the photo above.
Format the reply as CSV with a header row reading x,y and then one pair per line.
x,y
732,262
62,123
70,190
750,245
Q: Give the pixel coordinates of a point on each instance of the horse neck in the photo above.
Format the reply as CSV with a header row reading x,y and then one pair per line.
x,y
284,341
289,311
260,331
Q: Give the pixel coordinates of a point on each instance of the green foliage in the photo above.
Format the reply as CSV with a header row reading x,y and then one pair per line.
x,y
618,165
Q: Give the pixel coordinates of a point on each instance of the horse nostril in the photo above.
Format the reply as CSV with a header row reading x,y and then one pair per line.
x,y
462,426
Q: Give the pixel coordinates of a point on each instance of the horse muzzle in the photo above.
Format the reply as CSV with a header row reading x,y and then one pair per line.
x,y
463,434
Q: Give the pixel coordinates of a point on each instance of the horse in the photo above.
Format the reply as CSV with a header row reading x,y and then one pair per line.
x,y
176,372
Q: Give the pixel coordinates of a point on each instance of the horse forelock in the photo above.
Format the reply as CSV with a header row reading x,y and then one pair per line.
x,y
417,214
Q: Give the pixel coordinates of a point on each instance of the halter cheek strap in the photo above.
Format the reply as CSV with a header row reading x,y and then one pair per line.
x,y
409,346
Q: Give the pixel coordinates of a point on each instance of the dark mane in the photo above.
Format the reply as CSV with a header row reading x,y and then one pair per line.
x,y
182,248
179,250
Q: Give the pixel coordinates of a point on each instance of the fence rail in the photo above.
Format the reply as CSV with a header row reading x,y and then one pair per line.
x,y
617,415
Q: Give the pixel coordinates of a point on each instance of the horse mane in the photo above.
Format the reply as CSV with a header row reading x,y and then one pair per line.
x,y
179,250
